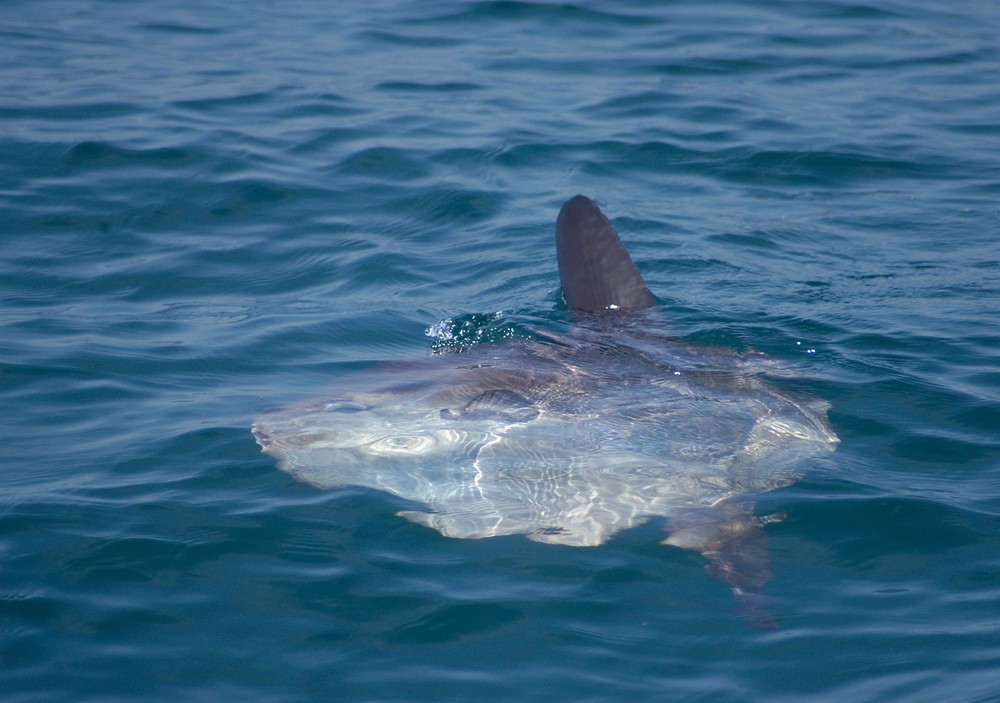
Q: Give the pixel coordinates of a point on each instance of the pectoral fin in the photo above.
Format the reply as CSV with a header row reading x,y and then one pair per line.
x,y
494,404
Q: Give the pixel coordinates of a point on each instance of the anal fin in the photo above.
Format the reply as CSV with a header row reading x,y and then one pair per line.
x,y
734,542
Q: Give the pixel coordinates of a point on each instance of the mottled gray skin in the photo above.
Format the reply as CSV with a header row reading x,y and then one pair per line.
x,y
569,439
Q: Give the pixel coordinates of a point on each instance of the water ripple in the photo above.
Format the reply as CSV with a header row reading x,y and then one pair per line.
x,y
207,213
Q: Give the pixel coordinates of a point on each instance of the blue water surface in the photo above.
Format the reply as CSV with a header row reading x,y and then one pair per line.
x,y
208,210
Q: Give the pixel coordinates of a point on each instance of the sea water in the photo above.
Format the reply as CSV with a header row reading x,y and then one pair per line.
x,y
209,210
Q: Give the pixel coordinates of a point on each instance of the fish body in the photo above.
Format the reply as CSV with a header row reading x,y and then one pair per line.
x,y
571,438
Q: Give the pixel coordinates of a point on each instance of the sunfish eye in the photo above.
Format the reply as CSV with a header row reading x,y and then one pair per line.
x,y
403,444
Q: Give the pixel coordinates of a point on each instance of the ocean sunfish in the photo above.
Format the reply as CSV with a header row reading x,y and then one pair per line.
x,y
569,438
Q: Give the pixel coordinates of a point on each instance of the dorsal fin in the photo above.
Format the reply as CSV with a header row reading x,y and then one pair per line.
x,y
596,273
